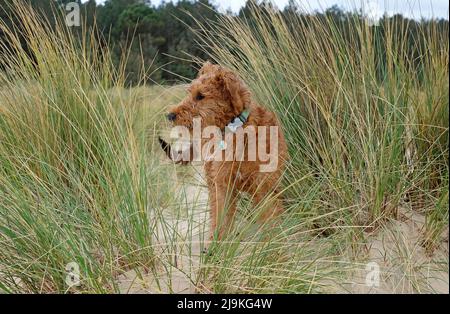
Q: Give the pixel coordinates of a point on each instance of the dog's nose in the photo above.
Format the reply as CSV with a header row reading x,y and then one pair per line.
x,y
171,116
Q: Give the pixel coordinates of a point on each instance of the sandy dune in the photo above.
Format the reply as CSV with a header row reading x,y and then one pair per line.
x,y
404,266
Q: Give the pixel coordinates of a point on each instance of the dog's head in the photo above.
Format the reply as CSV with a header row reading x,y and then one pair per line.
x,y
217,96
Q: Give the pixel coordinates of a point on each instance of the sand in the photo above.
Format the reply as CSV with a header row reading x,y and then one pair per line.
x,y
394,250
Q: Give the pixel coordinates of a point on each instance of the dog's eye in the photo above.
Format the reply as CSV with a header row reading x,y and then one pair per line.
x,y
199,96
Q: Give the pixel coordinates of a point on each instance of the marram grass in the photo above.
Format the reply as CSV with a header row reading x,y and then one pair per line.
x,y
74,177
81,180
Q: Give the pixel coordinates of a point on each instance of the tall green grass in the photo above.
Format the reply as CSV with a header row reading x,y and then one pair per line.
x,y
364,109
74,177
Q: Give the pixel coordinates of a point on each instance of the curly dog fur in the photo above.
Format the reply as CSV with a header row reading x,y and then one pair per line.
x,y
218,96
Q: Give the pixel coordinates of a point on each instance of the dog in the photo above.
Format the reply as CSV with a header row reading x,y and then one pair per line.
x,y
222,100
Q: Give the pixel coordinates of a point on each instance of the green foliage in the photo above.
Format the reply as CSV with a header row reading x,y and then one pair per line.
x,y
160,34
160,42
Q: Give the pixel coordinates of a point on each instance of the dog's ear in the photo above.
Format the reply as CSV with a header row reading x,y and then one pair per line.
x,y
236,90
207,67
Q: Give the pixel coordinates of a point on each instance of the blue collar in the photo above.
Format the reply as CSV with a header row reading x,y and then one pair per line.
x,y
238,121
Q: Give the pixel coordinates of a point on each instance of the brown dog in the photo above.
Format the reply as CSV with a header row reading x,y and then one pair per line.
x,y
222,100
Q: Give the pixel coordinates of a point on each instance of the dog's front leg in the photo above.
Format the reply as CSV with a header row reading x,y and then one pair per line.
x,y
223,208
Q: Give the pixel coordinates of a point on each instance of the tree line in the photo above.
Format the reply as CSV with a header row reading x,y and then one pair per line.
x,y
159,38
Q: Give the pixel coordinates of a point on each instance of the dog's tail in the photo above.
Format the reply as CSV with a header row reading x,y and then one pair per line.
x,y
177,157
